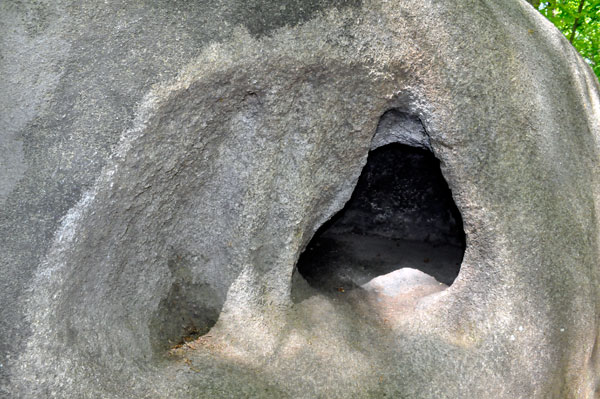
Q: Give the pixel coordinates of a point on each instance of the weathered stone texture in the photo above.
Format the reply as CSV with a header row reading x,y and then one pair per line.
x,y
164,163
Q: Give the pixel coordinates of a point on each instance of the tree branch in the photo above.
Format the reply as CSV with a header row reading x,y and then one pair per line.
x,y
576,22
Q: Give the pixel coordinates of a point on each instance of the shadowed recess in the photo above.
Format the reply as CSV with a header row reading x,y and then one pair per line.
x,y
401,215
190,309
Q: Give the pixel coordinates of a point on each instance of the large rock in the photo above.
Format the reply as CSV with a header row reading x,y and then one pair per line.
x,y
164,164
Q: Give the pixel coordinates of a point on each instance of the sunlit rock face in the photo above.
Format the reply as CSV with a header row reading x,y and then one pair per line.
x,y
401,281
165,165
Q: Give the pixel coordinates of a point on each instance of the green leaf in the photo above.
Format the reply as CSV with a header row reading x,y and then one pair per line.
x,y
564,13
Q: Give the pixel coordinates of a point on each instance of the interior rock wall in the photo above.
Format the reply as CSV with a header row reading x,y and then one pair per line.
x,y
402,195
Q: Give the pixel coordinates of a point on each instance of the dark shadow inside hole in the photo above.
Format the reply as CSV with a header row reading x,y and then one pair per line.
x,y
187,311
401,215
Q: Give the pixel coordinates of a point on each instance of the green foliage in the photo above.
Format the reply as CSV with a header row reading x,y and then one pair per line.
x,y
579,20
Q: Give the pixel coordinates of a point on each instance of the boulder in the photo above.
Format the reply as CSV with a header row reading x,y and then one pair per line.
x,y
165,163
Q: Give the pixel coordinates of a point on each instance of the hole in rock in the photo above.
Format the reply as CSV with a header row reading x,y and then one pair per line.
x,y
399,229
187,311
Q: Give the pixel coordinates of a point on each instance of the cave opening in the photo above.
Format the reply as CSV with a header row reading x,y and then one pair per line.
x,y
399,229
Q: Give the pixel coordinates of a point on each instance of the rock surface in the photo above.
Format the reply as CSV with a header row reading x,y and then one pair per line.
x,y
164,164
400,281
401,194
